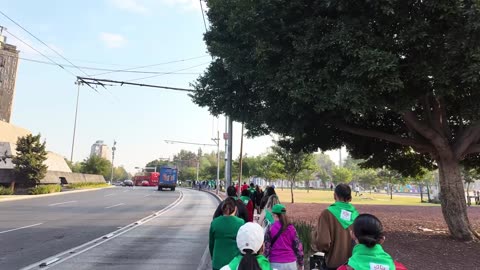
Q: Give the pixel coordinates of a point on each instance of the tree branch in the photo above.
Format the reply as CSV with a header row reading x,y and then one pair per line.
x,y
438,141
436,120
475,148
422,148
468,137
444,119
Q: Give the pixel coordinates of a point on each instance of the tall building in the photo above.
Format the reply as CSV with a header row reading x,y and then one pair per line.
x,y
8,76
100,149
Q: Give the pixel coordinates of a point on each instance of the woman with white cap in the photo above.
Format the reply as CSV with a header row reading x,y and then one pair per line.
x,y
250,243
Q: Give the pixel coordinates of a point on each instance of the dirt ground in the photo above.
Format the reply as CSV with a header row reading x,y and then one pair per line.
x,y
417,236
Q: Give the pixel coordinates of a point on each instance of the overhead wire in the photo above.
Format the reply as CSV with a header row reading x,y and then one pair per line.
x,y
153,65
105,69
102,81
42,54
154,76
41,41
203,16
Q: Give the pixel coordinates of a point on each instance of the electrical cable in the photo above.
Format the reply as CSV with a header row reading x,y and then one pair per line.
x,y
153,65
39,52
105,69
154,76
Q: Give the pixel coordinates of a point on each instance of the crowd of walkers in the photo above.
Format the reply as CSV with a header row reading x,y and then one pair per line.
x,y
239,241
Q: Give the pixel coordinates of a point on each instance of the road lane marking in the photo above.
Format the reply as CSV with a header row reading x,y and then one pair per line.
x,y
24,227
108,195
73,252
114,205
147,195
53,204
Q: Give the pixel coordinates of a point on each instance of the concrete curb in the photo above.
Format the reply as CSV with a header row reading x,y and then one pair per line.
x,y
206,261
27,197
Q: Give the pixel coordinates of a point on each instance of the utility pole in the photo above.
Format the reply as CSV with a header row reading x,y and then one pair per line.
x,y
113,158
198,161
225,137
241,164
78,83
217,141
229,156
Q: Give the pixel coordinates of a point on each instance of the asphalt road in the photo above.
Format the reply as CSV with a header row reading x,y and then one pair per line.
x,y
34,229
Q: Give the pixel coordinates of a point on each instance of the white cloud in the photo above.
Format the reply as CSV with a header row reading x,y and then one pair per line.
x,y
135,6
113,40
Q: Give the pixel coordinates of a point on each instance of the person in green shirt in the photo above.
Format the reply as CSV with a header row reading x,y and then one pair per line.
x,y
250,242
368,252
223,233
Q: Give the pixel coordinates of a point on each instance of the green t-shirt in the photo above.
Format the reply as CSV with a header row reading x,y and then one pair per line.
x,y
223,239
262,262
344,212
365,258
245,199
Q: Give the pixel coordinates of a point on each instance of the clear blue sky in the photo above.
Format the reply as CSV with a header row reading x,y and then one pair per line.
x,y
113,34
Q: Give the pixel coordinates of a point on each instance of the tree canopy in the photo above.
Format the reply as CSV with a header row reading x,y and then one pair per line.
x,y
29,160
396,82
97,165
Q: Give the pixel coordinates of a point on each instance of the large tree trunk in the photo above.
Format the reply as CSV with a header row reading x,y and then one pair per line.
x,y
428,193
308,186
291,189
421,192
452,199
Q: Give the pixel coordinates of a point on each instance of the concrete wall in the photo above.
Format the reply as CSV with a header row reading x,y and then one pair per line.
x,y
6,176
10,133
57,163
6,148
53,177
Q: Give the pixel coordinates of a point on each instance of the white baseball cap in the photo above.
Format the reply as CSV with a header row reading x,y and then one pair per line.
x,y
250,236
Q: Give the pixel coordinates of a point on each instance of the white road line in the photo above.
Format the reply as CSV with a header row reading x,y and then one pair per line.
x,y
147,195
73,252
108,195
24,227
53,204
114,205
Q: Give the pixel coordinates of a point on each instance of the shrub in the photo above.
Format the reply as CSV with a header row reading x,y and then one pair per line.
x,y
304,230
87,185
44,189
5,191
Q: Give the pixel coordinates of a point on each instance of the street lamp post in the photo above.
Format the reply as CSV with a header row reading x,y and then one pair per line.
x,y
78,83
113,158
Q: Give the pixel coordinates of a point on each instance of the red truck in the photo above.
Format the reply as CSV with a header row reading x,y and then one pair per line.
x,y
151,177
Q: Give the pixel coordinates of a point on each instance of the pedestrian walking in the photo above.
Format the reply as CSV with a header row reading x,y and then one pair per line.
x,y
223,234
250,244
332,234
283,247
241,209
245,198
266,217
258,198
269,191
368,252
357,190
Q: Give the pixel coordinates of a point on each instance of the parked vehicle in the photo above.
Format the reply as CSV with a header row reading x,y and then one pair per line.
x,y
128,183
145,183
168,178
